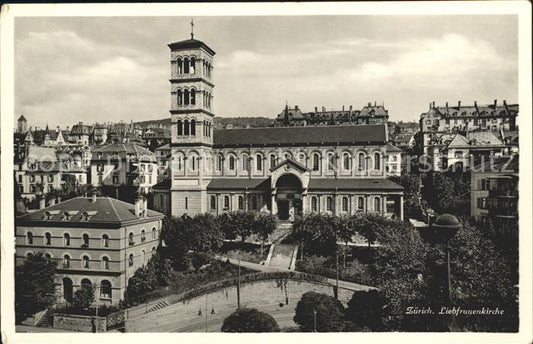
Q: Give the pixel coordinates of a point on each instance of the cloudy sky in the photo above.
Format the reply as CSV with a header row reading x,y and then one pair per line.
x,y
109,69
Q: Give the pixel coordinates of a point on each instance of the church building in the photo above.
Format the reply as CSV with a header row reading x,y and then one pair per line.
x,y
287,171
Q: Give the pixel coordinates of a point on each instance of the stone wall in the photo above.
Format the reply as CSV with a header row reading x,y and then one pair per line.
x,y
79,323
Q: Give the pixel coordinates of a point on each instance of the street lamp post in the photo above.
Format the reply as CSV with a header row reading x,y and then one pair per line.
x,y
441,232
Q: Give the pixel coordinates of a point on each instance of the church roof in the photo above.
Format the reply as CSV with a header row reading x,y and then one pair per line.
x,y
296,164
191,43
287,136
22,118
239,183
354,184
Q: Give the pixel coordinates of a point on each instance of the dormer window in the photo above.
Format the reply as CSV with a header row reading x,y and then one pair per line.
x,y
49,214
86,215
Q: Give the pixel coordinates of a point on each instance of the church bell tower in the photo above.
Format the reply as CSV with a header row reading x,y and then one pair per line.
x,y
191,92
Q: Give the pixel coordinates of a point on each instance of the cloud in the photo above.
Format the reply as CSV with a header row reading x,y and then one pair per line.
x,y
62,77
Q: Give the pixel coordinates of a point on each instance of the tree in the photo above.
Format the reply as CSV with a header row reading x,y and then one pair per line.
x,y
329,313
34,285
264,225
317,232
235,224
412,184
448,192
249,320
83,297
367,309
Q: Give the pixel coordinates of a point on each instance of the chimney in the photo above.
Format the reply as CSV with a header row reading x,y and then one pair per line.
x,y
42,203
374,103
495,103
433,103
446,106
369,104
323,109
295,107
505,103
80,123
343,108
459,105
138,206
316,109
93,197
68,127
429,108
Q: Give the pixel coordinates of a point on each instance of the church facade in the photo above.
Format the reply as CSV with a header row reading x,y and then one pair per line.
x,y
287,171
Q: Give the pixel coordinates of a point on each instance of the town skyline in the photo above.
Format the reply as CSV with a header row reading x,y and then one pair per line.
x,y
263,70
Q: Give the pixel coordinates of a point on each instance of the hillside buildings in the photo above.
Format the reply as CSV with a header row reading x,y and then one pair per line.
x,y
369,114
98,241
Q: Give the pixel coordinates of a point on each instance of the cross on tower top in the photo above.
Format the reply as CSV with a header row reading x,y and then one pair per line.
x,y
192,29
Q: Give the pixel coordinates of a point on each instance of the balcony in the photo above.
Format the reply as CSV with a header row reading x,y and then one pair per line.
x,y
503,208
503,193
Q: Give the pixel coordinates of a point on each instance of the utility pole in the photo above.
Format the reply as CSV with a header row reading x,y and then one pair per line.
x,y
337,276
239,287
97,304
206,313
314,320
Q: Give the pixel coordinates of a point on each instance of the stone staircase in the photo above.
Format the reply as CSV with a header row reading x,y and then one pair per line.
x,y
282,256
283,229
46,320
158,306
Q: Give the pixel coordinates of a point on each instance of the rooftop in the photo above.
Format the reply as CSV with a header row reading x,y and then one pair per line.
x,y
286,136
191,43
104,210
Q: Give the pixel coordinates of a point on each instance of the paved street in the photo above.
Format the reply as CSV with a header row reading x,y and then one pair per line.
x,y
283,316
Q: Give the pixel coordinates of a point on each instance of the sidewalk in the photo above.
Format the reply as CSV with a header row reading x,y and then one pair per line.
x,y
263,268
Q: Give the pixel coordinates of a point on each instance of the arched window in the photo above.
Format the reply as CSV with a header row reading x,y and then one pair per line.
x,y
186,127
259,162
377,204
193,65
180,97
213,202
360,203
186,98
105,240
254,202
48,239
180,65
329,204
345,204
245,162
105,289
180,127
130,259
130,239
105,263
316,162
186,65
193,163
85,262
226,202
377,161
85,240
232,163
331,162
85,283
29,238
273,160
241,203
193,97
218,163
180,163
346,162
66,239
186,202
193,127
154,233
314,203
66,261
361,161
48,255
143,235
143,255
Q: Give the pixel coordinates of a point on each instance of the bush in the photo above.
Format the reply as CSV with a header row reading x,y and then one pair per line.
x,y
367,309
354,271
83,297
329,313
250,320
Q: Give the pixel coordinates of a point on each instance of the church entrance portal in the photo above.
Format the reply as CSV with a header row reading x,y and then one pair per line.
x,y
289,196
